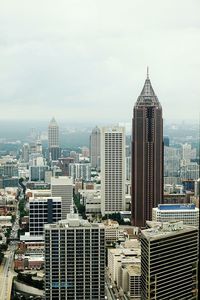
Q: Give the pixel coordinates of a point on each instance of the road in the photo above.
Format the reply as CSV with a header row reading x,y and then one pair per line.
x,y
112,292
7,272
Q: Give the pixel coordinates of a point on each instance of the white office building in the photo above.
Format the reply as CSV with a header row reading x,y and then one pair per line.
x,y
62,186
112,169
187,213
53,134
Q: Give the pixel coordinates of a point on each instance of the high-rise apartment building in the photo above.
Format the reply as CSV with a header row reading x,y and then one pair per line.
x,y
53,140
62,186
95,148
43,211
74,260
147,155
169,262
112,169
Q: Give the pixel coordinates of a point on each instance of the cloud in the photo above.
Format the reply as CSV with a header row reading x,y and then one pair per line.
x,y
86,60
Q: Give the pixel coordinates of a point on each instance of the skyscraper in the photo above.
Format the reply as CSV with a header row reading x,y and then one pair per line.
x,y
53,140
62,186
169,261
95,148
74,260
147,155
43,211
112,169
25,153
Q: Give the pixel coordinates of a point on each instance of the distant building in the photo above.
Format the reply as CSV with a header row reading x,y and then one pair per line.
x,y
128,168
63,164
54,153
95,148
85,152
9,169
188,152
189,171
53,140
171,162
197,187
112,169
80,171
169,261
37,173
25,153
62,186
43,211
74,260
187,213
166,141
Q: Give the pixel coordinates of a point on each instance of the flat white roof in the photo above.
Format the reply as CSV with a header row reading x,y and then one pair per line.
x,y
61,180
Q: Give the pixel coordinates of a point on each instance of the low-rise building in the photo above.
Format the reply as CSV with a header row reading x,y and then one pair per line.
x,y
23,262
124,268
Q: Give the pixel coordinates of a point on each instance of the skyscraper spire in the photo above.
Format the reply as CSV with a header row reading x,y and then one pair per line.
x,y
147,95
147,72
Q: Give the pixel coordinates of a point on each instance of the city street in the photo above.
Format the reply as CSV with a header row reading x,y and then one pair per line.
x,y
6,270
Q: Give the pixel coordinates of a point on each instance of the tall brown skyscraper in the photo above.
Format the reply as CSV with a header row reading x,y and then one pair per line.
x,y
147,155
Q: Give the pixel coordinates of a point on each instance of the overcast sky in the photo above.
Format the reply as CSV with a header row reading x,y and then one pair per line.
x,y
85,60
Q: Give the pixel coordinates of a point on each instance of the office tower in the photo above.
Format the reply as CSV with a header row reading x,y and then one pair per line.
x,y
112,169
166,141
147,155
128,168
95,148
39,146
188,153
169,262
85,151
63,164
197,188
189,170
62,186
188,213
25,153
74,260
9,169
80,171
43,211
171,162
37,173
53,140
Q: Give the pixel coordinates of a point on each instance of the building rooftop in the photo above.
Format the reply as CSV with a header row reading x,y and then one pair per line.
x,y
134,270
61,180
174,207
159,230
27,237
45,199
